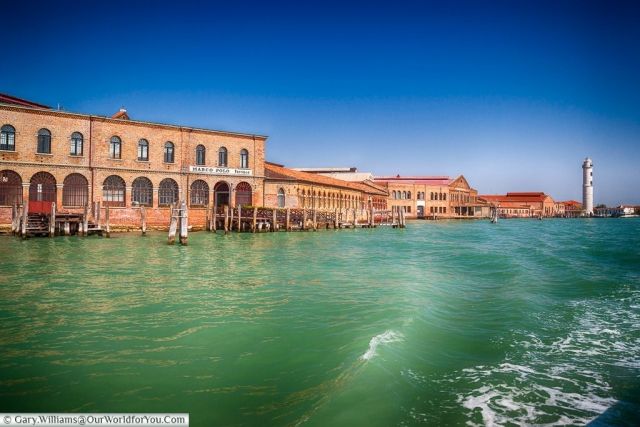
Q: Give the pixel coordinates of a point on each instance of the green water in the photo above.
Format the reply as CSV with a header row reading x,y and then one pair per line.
x,y
443,323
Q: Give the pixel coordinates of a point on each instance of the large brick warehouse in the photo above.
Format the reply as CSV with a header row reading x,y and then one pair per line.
x,y
74,160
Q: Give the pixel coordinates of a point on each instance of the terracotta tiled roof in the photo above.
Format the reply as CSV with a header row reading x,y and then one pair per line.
x,y
516,197
274,171
8,99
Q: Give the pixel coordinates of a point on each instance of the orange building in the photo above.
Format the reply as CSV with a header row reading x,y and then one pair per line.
x,y
72,159
524,205
433,196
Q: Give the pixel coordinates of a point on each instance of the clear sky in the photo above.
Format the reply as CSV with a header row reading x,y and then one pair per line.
x,y
511,94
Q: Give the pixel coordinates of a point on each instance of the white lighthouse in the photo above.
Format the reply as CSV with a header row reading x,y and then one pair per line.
x,y
587,186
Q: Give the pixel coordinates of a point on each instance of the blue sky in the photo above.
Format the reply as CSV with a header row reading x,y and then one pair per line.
x,y
511,94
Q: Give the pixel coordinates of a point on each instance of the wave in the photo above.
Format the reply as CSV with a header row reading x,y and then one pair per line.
x,y
386,337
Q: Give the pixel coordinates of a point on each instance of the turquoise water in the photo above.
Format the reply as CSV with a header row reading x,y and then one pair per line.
x,y
443,323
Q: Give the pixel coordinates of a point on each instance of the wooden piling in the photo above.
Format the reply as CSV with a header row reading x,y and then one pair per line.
x,y
226,219
304,219
239,218
231,221
255,219
184,223
143,220
52,220
315,217
274,226
85,220
106,220
25,218
173,226
288,220
214,216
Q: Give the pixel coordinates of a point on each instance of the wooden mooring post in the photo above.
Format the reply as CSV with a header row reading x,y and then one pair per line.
x,y
143,220
106,219
288,220
85,220
15,219
184,223
274,225
239,218
226,219
315,217
304,219
254,223
231,219
25,219
52,221
173,226
214,217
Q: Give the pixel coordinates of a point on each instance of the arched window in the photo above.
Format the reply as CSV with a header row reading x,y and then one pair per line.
x,y
10,188
404,195
76,144
199,193
444,196
75,190
244,159
222,157
243,194
393,194
304,199
143,150
167,192
142,192
115,147
8,138
169,155
113,191
408,194
281,198
221,194
201,155
44,141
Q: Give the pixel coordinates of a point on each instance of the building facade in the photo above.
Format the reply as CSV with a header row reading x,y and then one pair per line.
x,y
74,160
524,205
433,196
286,187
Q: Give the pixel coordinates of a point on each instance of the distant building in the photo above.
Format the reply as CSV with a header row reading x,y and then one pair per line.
x,y
572,208
433,196
524,205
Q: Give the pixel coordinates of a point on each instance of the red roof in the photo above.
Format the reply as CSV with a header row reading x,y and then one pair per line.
x,y
275,171
532,197
8,99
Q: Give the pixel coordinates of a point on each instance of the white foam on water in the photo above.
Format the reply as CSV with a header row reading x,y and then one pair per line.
x,y
559,382
386,337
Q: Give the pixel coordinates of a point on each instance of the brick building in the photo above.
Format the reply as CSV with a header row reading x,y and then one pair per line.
x,y
74,159
433,196
285,187
525,205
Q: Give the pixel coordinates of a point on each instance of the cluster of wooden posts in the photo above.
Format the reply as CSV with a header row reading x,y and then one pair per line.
x,y
256,219
224,218
25,224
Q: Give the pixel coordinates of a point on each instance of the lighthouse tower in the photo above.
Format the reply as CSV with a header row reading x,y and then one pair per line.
x,y
587,186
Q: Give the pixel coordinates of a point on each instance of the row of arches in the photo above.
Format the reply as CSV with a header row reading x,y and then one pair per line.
x,y
75,191
328,200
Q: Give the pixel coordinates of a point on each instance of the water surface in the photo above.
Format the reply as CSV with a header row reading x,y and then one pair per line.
x,y
443,323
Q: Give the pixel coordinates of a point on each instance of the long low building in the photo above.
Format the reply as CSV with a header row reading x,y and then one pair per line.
x,y
73,160
525,204
433,196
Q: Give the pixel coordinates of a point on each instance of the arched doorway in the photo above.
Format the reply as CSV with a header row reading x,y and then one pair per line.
x,y
42,193
243,194
10,188
221,193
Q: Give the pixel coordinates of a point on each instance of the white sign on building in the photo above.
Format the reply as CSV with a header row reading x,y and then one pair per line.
x,y
208,170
